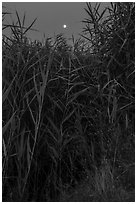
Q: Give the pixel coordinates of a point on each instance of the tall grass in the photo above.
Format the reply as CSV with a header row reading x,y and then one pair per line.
x,y
68,111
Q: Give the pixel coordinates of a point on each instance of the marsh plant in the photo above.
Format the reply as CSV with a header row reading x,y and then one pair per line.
x,y
68,112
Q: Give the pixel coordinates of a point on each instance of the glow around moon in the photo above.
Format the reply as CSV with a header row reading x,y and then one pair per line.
x,y
64,26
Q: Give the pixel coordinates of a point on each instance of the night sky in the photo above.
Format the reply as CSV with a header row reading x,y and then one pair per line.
x,y
51,16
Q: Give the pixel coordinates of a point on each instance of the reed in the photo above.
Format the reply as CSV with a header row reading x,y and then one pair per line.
x,y
68,111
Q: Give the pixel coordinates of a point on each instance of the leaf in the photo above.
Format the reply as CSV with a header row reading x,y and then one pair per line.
x,y
102,14
54,126
66,141
85,37
18,20
51,133
6,93
114,111
54,154
56,103
7,124
23,22
76,95
22,144
68,116
31,112
4,147
36,89
30,26
75,84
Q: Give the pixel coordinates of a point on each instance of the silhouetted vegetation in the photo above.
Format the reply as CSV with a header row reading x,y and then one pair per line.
x,y
68,112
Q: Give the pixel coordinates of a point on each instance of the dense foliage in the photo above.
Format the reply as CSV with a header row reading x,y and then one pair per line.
x,y
68,111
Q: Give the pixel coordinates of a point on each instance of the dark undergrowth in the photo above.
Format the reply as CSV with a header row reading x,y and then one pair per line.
x,y
68,112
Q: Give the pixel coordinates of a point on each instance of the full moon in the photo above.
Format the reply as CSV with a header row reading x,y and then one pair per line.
x,y
64,26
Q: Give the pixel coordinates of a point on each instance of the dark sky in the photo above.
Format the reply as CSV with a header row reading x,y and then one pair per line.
x,y
51,16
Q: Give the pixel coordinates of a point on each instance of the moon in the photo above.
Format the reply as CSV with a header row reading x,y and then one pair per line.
x,y
64,26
